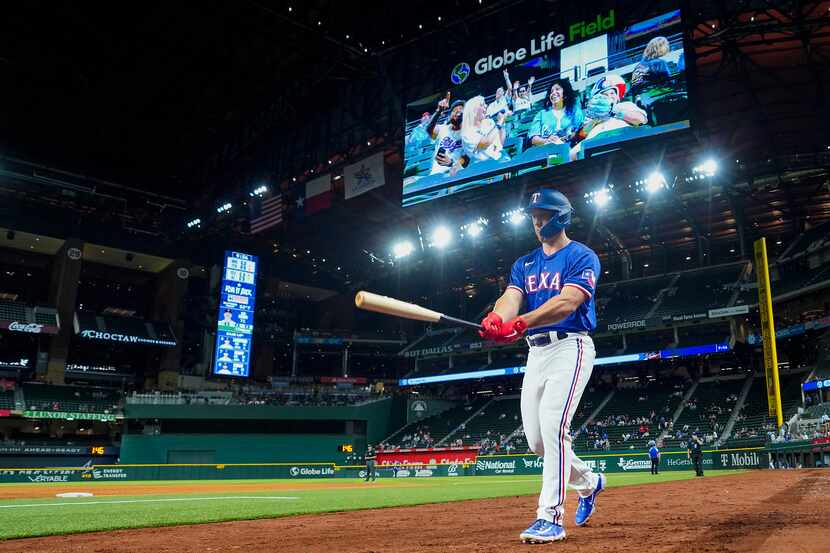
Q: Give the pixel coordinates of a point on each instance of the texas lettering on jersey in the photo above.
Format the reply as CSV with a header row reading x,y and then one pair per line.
x,y
540,277
546,281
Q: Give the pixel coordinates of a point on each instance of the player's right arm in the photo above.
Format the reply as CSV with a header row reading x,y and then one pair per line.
x,y
509,304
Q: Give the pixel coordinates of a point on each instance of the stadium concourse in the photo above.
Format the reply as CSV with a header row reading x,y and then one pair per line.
x,y
192,201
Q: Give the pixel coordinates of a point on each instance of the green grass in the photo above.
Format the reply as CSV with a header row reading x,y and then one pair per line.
x,y
41,517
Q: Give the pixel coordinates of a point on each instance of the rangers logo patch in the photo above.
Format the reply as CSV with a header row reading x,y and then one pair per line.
x,y
588,276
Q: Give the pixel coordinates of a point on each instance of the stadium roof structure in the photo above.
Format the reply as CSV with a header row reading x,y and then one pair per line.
x,y
185,108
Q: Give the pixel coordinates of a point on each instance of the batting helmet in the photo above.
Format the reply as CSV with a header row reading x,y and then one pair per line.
x,y
607,82
556,202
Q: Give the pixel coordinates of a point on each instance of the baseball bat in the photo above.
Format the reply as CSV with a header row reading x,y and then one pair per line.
x,y
397,308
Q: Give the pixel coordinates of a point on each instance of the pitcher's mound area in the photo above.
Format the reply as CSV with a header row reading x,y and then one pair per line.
x,y
759,511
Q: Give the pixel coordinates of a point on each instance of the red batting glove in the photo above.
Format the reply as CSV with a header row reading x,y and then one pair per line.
x,y
512,331
490,326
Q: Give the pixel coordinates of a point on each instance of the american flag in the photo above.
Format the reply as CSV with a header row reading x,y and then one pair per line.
x,y
266,213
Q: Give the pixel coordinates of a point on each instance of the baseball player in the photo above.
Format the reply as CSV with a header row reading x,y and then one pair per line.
x,y
557,281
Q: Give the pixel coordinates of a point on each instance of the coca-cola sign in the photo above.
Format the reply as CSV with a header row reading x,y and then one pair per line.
x,y
32,328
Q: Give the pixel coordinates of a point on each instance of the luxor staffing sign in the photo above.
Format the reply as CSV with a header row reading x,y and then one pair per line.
x,y
235,325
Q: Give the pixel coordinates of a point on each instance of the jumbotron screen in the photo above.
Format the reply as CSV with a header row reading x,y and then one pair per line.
x,y
576,89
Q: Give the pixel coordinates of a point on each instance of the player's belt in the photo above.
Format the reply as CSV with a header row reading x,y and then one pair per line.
x,y
547,338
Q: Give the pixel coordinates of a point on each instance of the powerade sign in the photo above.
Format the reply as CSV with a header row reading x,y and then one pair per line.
x,y
235,323
577,32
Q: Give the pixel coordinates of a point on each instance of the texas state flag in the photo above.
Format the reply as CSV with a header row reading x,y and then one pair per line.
x,y
318,194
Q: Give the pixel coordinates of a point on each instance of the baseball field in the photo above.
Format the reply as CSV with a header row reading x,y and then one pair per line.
x,y
725,511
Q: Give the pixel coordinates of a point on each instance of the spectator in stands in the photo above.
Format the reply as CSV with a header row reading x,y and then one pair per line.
x,y
482,137
652,70
419,134
562,117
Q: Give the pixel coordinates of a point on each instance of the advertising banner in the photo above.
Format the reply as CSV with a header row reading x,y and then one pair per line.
x,y
628,325
65,415
728,311
625,462
428,456
28,328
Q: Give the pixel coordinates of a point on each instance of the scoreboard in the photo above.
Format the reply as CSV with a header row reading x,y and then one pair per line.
x,y
235,322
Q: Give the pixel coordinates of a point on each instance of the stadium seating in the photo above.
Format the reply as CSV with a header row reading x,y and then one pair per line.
x,y
652,341
12,311
428,432
6,399
701,290
493,424
703,334
754,423
629,300
809,241
707,411
632,417
45,397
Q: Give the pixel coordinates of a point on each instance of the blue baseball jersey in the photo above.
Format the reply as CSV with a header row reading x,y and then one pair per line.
x,y
653,452
540,277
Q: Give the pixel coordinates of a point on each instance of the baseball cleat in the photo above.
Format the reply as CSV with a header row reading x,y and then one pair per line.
x,y
587,505
542,531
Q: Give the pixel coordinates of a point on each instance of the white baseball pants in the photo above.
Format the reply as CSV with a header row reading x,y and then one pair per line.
x,y
555,377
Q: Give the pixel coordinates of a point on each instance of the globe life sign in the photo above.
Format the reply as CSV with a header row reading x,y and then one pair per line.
x,y
577,32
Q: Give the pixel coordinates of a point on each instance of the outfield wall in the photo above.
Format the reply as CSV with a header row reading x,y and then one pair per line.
x,y
485,465
230,434
139,449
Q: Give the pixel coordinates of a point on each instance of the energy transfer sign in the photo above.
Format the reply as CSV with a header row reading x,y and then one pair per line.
x,y
235,325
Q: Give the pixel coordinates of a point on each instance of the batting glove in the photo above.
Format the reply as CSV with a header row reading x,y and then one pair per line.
x,y
491,325
512,331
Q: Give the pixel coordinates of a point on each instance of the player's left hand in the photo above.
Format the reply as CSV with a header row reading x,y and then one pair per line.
x,y
512,331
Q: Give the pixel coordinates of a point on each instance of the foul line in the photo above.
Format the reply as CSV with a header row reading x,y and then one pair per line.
x,y
116,501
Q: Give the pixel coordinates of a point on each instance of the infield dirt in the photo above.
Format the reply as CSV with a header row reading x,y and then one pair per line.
x,y
758,511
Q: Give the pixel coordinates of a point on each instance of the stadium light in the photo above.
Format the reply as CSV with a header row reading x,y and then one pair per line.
x,y
194,223
654,182
599,197
259,191
602,197
708,168
402,249
224,207
474,228
441,237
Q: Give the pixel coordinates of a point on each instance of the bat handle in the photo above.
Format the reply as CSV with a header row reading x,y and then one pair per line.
x,y
460,322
